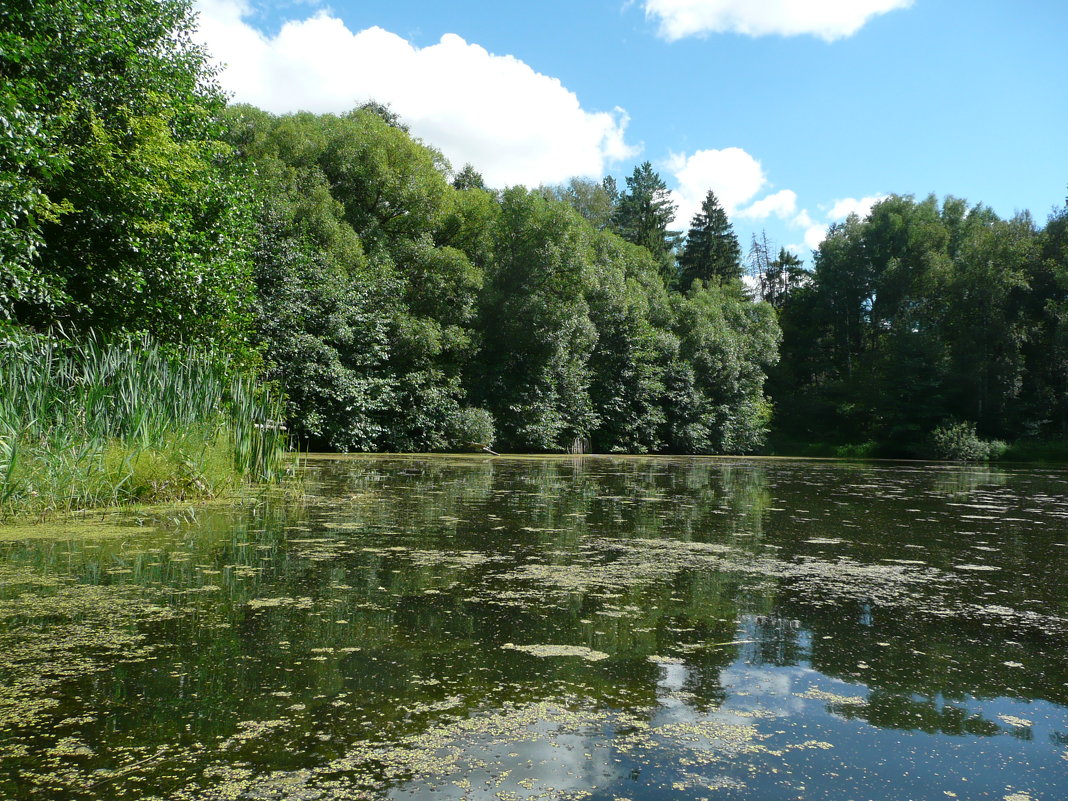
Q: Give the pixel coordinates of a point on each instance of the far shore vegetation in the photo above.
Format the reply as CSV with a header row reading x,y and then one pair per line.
x,y
181,278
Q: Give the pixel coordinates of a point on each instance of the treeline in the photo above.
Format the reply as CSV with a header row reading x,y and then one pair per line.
x,y
400,304
403,307
928,328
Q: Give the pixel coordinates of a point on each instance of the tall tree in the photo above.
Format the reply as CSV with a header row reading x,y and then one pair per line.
x,y
1048,351
535,327
715,383
367,292
468,178
775,278
124,215
595,201
711,253
628,303
644,213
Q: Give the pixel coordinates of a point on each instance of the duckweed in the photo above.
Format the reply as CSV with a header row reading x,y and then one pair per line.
x,y
626,629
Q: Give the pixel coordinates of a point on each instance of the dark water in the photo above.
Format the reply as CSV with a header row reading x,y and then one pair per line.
x,y
588,628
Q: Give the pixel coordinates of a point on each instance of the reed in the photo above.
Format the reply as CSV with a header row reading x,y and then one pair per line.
x,y
91,423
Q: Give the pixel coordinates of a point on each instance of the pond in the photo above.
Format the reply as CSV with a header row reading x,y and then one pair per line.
x,y
551,628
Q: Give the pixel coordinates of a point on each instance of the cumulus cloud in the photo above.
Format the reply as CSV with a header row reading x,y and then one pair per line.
x,y
851,205
827,19
513,124
803,219
734,175
782,204
738,179
812,233
815,232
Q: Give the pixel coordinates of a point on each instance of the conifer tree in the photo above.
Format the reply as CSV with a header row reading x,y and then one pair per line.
x,y
711,252
643,214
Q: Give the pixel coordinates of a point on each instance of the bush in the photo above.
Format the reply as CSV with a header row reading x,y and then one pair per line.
x,y
959,442
474,428
868,449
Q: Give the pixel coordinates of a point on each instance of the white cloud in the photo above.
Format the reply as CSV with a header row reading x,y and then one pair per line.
x,y
827,19
782,204
734,175
514,124
851,205
815,234
803,219
736,178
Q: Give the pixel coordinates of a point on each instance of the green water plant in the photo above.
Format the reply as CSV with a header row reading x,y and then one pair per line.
x,y
92,423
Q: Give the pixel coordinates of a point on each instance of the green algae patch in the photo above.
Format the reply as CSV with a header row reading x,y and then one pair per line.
x,y
250,730
518,751
665,660
279,601
58,635
72,529
832,699
558,650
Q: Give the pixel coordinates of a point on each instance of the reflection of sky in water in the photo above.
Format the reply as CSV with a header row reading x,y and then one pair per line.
x,y
812,743
564,763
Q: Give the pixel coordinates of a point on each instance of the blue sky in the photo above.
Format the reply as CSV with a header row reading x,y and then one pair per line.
x,y
793,111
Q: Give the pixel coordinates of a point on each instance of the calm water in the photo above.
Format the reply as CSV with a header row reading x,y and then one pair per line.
x,y
558,628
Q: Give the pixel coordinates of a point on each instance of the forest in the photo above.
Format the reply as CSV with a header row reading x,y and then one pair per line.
x,y
390,301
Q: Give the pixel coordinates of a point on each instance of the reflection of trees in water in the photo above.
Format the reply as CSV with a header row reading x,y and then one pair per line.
x,y
779,640
712,499
317,607
889,710
961,480
381,606
922,671
704,500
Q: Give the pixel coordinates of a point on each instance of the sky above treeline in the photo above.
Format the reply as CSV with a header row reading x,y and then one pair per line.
x,y
795,112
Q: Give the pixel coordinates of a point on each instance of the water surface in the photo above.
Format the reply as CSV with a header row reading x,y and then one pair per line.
x,y
551,628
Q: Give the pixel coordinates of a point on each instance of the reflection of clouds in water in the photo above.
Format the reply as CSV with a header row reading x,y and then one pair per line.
x,y
553,762
672,679
766,689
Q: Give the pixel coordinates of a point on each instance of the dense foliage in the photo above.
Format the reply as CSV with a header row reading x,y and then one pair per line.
x,y
928,317
400,305
119,211
404,311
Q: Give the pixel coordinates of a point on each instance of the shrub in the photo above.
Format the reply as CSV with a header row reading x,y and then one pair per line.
x,y
960,442
474,428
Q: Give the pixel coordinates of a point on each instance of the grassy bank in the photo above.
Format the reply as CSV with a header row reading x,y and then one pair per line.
x,y
90,424
1027,450
1050,452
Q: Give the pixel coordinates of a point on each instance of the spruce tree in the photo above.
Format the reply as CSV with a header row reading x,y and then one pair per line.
x,y
643,214
711,252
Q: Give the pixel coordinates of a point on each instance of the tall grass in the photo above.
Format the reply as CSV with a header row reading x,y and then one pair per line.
x,y
93,423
